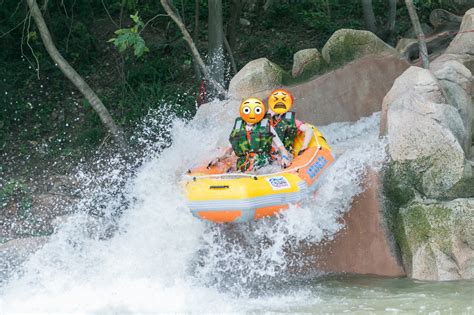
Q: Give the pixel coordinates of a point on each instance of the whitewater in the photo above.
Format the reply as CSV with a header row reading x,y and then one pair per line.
x,y
156,257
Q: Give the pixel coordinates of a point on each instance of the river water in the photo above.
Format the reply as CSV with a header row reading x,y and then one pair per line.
x,y
158,258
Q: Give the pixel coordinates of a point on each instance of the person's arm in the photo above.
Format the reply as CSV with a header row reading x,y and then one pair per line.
x,y
286,157
228,151
308,134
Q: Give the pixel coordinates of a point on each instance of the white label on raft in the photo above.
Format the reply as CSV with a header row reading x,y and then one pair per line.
x,y
278,182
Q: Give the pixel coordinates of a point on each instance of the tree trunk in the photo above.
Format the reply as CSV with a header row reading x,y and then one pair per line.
x,y
73,76
419,33
235,9
216,61
196,20
392,16
192,47
369,16
328,9
197,70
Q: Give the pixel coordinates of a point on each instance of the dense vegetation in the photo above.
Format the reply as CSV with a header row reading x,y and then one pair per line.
x,y
42,115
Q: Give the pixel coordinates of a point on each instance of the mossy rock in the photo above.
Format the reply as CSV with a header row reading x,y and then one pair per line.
x,y
463,189
257,76
440,225
307,63
400,182
346,45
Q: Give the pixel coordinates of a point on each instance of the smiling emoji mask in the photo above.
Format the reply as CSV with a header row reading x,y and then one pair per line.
x,y
280,101
252,110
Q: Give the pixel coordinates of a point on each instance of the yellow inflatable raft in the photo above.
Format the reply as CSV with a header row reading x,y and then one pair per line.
x,y
217,196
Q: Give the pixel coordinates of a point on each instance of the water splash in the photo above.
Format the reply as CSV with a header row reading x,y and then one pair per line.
x,y
159,257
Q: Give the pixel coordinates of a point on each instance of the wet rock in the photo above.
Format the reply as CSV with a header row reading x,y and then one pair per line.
x,y
365,245
306,63
438,240
349,93
414,81
256,76
423,144
346,45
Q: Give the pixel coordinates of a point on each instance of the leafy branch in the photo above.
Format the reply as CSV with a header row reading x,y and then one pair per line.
x,y
130,38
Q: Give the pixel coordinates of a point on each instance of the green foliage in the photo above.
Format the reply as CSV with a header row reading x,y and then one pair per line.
x,y
15,191
131,38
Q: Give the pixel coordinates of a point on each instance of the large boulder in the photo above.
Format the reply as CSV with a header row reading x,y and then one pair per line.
x,y
456,81
416,81
442,19
463,43
256,76
423,144
346,45
306,63
437,239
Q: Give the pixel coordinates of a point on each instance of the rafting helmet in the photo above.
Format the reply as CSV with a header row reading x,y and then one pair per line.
x,y
280,101
252,110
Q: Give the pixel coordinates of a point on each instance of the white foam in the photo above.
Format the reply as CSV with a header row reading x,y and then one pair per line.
x,y
161,259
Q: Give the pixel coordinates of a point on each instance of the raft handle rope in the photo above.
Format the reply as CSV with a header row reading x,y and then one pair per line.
x,y
289,170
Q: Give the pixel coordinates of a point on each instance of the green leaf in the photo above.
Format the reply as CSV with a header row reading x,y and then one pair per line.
x,y
135,17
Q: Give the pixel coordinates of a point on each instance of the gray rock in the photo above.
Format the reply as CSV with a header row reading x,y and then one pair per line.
x,y
345,45
255,77
457,81
421,136
463,43
442,19
454,71
438,239
306,62
404,47
414,81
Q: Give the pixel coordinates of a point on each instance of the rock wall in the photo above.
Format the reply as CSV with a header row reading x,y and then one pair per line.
x,y
427,117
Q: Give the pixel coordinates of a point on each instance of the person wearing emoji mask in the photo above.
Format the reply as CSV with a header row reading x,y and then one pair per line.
x,y
252,137
283,120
